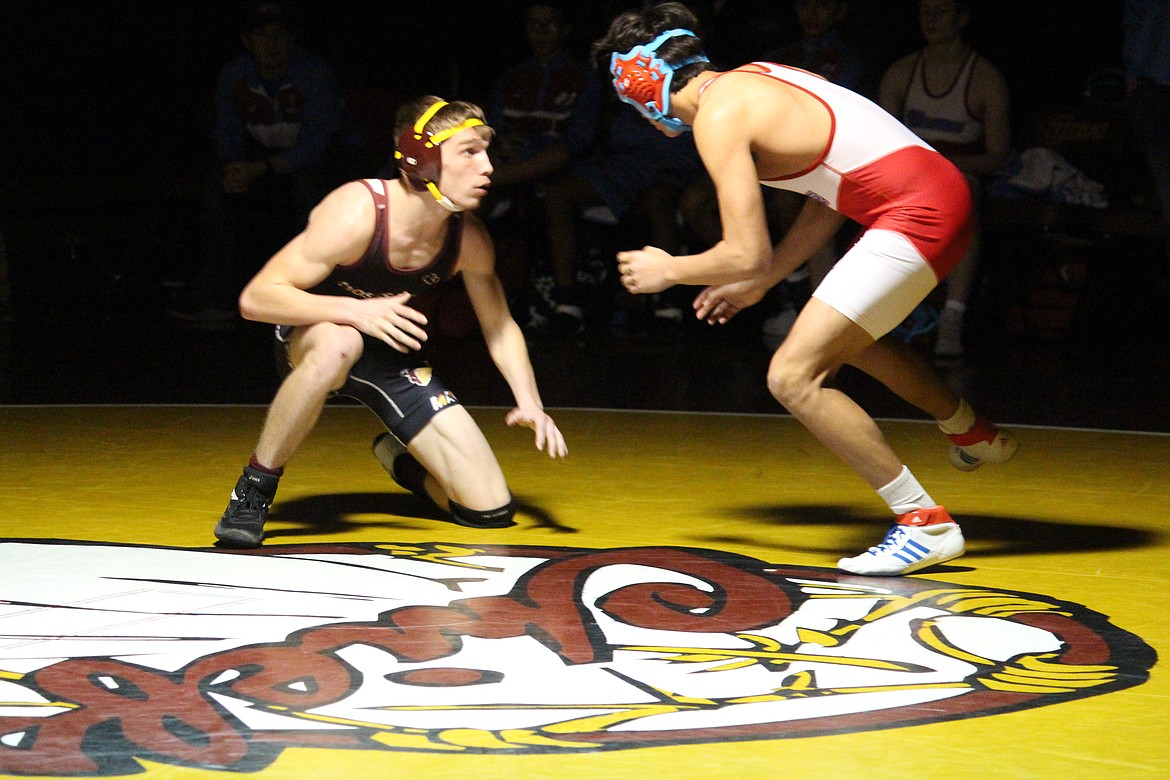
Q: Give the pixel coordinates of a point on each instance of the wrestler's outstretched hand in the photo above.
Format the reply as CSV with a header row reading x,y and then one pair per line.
x,y
548,436
720,302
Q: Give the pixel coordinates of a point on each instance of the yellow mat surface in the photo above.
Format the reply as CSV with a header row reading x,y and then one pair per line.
x,y
667,605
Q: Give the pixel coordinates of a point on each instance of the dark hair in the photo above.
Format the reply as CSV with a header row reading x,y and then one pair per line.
x,y
258,16
644,25
962,6
558,7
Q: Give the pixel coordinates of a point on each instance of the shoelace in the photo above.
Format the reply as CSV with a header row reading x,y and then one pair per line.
x,y
250,508
891,542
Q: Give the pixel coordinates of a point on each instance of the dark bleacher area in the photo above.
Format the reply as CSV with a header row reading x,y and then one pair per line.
x,y
105,121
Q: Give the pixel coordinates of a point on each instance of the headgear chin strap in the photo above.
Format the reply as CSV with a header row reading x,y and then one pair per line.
x,y
419,157
642,78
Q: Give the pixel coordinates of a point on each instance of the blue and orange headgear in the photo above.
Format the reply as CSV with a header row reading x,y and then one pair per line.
x,y
418,153
642,78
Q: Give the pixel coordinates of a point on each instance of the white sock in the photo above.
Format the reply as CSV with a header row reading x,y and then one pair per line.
x,y
961,421
904,494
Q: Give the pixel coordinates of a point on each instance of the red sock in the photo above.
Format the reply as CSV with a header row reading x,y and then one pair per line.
x,y
981,431
255,464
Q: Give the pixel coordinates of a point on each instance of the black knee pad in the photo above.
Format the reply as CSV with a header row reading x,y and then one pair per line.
x,y
410,474
484,518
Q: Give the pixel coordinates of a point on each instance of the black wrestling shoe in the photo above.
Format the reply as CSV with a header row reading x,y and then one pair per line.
x,y
242,524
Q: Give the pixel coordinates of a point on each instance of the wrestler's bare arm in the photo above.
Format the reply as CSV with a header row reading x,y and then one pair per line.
x,y
338,233
505,341
726,136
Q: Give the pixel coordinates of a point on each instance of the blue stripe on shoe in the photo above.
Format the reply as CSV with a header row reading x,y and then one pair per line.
x,y
911,552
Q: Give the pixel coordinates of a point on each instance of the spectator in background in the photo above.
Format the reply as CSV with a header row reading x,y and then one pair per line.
x,y
822,47
545,111
737,31
1146,55
637,174
957,101
5,283
281,140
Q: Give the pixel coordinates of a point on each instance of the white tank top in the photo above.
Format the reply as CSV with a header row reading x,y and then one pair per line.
x,y
945,121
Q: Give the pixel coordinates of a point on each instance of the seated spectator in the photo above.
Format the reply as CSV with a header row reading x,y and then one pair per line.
x,y
281,138
958,102
737,32
637,175
1146,54
546,110
5,284
822,46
